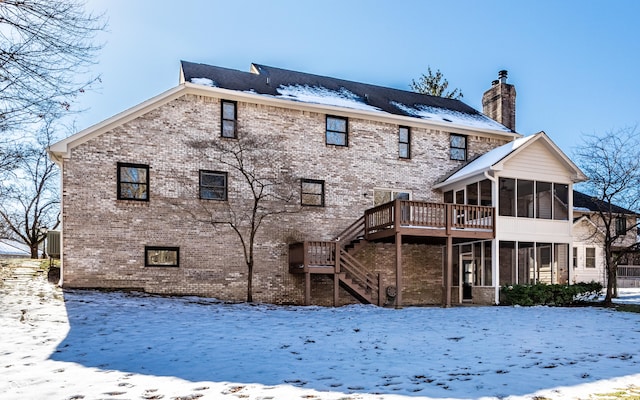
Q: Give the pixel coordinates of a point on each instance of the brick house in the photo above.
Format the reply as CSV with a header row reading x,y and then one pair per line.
x,y
371,194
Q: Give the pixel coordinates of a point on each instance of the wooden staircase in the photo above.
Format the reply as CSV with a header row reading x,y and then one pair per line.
x,y
336,258
361,284
352,275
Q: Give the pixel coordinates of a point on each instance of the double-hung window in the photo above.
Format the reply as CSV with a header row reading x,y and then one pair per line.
x,y
229,119
458,147
337,131
312,192
404,142
133,182
590,257
213,185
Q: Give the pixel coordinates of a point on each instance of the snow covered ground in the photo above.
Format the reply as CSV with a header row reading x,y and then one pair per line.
x,y
98,345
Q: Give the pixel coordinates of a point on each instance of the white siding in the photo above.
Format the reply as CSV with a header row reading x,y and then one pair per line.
x,y
537,162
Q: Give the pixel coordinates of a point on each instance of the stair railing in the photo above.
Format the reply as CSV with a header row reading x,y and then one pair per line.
x,y
354,231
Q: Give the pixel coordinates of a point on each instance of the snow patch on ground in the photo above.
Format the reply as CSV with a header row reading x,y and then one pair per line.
x,y
88,344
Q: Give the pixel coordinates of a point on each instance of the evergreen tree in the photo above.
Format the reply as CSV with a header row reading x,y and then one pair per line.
x,y
435,84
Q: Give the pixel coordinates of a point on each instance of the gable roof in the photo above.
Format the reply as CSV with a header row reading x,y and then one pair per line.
x,y
582,201
495,159
309,88
269,85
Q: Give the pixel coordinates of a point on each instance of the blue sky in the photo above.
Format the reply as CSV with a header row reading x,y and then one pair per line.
x,y
574,63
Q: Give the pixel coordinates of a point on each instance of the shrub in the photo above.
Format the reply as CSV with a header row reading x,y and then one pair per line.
x,y
552,295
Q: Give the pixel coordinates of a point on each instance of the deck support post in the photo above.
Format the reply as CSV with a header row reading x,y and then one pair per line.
x,y
449,273
398,270
307,288
336,271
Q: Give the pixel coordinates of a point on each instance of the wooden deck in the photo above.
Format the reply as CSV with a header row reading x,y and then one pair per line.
x,y
416,218
396,219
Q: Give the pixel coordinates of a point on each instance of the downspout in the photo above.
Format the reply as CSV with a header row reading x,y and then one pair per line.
x,y
59,161
494,243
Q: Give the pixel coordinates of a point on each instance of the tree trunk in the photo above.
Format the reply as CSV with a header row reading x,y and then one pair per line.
x,y
611,280
250,282
34,251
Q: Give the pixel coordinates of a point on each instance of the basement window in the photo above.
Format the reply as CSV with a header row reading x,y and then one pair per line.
x,y
161,256
133,182
337,131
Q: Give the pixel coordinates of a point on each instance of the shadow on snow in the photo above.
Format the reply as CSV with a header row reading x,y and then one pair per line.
x,y
486,351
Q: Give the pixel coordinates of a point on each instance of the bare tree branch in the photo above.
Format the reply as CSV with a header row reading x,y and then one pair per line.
x,y
30,204
46,48
612,163
265,188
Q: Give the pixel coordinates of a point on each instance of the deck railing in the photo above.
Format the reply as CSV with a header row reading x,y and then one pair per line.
x,y
628,276
428,215
312,254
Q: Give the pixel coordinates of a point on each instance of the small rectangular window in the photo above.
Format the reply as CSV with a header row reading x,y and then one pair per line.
x,y
337,131
472,194
161,256
229,119
213,185
575,257
312,192
507,197
448,197
621,226
590,257
560,201
458,147
544,200
133,182
525,199
404,142
485,193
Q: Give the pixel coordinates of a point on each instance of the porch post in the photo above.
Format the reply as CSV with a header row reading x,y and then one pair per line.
x,y
336,271
449,274
495,260
307,274
307,288
398,270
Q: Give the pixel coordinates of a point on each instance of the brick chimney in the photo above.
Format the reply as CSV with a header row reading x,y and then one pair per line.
x,y
499,102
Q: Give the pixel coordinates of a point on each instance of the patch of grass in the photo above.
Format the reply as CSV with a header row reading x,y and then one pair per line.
x,y
630,393
634,308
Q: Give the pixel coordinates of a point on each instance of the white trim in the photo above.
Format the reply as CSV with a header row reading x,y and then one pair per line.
x,y
62,149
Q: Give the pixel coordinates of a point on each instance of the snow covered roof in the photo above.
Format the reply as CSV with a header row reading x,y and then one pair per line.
x,y
585,203
492,159
316,89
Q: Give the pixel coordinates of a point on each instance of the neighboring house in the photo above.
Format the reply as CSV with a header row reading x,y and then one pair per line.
x,y
400,198
10,248
588,231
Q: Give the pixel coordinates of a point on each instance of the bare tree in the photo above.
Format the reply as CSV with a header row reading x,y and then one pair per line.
x,y
30,204
264,187
46,47
612,163
435,84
